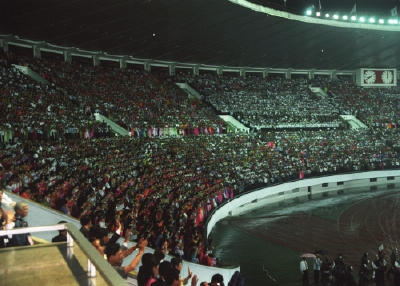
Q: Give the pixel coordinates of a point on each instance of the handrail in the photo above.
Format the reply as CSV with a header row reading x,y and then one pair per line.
x,y
95,259
32,229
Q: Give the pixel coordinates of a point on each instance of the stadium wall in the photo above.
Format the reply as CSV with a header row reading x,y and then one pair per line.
x,y
301,190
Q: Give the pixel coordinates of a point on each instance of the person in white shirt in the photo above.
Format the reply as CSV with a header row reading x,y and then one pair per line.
x,y
317,268
304,271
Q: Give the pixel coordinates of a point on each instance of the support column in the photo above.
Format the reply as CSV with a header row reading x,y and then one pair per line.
x,y
288,74
122,64
195,70
147,66
242,73
36,52
91,269
311,74
219,71
333,74
265,73
67,56
96,60
171,70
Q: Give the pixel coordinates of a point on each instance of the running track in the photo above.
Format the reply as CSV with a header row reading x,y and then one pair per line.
x,y
362,227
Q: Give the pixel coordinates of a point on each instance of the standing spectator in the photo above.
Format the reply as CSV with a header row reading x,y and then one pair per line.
x,y
304,271
396,272
115,257
317,268
21,211
339,270
217,279
62,236
349,277
379,265
148,272
177,264
164,269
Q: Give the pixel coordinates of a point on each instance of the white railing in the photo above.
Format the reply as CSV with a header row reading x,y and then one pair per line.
x,y
96,262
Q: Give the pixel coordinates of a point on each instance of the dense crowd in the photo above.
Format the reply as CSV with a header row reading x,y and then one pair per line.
x,y
163,187
284,103
134,99
266,103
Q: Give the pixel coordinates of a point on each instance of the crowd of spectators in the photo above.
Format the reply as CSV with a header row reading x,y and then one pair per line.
x,y
136,100
30,110
266,103
287,103
163,187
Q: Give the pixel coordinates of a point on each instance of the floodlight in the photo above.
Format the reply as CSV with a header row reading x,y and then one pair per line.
x,y
318,14
395,21
345,17
353,18
381,21
371,20
309,12
327,15
335,17
362,19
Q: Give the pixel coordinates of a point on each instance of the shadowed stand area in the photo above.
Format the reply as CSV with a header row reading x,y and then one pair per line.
x,y
46,264
274,236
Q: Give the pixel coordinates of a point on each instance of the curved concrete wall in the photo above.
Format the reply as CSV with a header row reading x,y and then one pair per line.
x,y
302,188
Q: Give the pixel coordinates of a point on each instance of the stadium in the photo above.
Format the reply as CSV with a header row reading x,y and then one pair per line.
x,y
234,135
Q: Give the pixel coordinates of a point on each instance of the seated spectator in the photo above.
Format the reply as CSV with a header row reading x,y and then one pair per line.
x,y
86,223
115,258
104,235
100,248
62,234
206,259
178,250
21,211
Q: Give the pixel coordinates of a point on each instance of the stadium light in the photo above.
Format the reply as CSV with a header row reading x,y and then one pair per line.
x,y
309,10
372,20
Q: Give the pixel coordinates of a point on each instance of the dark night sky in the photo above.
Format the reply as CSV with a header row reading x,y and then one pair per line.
x,y
379,8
